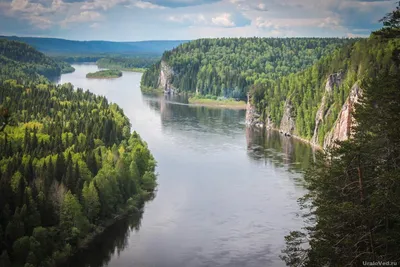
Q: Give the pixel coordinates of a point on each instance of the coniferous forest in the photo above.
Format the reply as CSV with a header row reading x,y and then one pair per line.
x,y
69,164
352,208
228,66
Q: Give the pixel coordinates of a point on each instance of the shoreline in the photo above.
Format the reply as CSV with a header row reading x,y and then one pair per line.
x,y
228,103
85,243
217,105
103,78
139,70
264,128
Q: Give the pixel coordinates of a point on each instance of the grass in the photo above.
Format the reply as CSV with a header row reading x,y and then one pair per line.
x,y
213,101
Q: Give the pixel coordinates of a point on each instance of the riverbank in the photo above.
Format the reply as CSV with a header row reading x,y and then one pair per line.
x,y
151,91
104,74
218,103
113,67
132,208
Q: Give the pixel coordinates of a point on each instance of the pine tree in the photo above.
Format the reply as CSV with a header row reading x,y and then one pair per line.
x,y
354,188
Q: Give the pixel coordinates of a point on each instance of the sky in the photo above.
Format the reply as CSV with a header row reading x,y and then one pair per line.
x,y
135,20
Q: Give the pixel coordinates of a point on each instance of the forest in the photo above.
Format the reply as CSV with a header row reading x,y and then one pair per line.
x,y
20,60
352,208
104,74
139,63
227,67
303,91
69,164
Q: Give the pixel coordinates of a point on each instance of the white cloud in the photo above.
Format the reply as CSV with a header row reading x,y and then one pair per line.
x,y
84,16
219,20
191,18
19,4
224,20
94,25
145,5
103,4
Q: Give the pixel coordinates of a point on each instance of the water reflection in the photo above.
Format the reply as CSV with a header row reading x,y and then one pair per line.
x,y
272,147
111,242
175,111
218,203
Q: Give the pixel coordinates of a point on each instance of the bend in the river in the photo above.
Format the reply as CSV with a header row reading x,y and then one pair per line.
x,y
227,195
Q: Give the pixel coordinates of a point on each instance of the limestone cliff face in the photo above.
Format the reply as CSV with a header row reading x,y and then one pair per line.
x,y
252,117
333,80
288,122
342,129
166,74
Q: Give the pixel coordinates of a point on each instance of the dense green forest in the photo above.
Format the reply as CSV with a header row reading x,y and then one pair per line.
x,y
64,66
127,63
228,66
69,164
104,74
79,58
352,208
304,90
19,60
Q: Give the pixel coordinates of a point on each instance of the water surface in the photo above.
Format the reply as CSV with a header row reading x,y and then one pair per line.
x,y
227,195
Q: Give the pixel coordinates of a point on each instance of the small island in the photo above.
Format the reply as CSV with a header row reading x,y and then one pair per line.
x,y
104,74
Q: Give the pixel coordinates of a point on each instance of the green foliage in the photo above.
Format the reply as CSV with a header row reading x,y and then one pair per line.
x,y
64,66
105,74
126,63
391,24
353,204
306,89
228,66
67,167
91,201
19,60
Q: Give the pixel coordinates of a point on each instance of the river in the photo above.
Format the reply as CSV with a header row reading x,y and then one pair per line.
x,y
226,195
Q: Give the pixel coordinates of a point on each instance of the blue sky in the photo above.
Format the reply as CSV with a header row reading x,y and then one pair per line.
x,y
134,20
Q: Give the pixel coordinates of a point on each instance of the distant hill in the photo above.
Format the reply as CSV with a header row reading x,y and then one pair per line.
x,y
55,46
19,60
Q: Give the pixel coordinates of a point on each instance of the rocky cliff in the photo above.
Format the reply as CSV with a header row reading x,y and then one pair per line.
x,y
334,80
288,122
252,117
342,129
166,75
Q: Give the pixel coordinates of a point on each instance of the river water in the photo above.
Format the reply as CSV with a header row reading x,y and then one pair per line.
x,y
227,195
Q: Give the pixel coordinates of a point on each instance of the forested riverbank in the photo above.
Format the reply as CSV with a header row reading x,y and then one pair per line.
x,y
69,165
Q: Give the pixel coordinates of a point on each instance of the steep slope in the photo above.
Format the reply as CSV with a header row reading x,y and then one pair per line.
x,y
18,59
228,66
316,104
69,164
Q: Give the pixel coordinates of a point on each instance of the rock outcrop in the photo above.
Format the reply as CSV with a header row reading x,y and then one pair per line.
x,y
165,78
334,80
288,122
342,129
252,117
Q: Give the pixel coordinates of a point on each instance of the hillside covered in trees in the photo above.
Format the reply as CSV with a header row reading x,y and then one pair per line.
x,y
21,61
352,208
227,67
308,103
127,63
69,164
